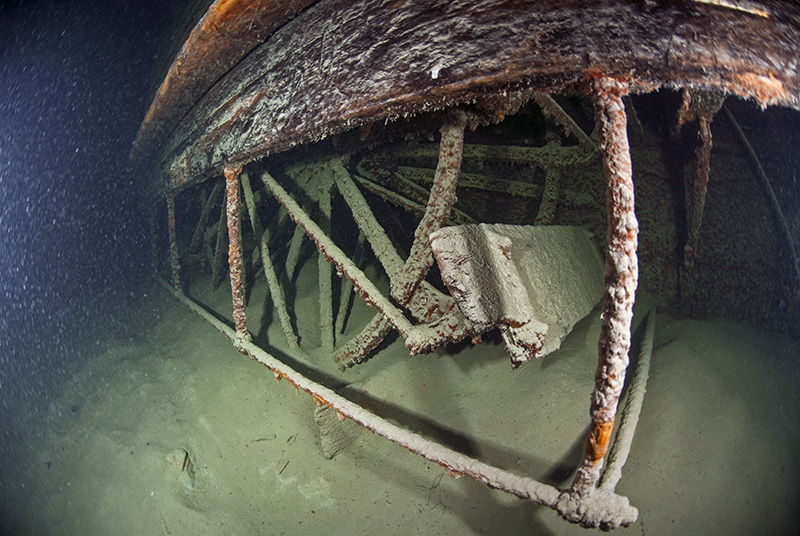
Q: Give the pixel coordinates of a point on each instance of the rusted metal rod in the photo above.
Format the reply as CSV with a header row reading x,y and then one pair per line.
x,y
621,277
235,251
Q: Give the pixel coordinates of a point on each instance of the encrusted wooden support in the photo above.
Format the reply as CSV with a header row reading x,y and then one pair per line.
x,y
552,155
426,303
442,198
621,277
295,247
478,182
365,288
173,243
457,217
555,112
547,208
203,222
405,277
273,285
603,509
346,289
235,251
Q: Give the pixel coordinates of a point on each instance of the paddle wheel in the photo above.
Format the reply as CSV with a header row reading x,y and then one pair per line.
x,y
460,150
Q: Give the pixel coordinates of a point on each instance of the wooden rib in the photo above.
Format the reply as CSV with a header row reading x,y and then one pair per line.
x,y
442,198
478,182
295,247
555,112
547,207
346,289
458,217
219,251
324,271
427,303
405,277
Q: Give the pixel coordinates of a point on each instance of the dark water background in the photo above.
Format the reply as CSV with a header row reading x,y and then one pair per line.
x,y
73,238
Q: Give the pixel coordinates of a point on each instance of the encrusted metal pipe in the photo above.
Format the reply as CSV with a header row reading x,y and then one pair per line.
x,y
621,277
235,251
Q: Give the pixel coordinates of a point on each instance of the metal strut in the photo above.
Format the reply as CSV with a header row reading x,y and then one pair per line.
x,y
621,278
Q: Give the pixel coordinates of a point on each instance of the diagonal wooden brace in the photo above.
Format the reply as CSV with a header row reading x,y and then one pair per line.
x,y
406,279
361,283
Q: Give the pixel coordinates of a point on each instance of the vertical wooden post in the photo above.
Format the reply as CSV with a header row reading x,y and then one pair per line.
x,y
235,251
621,278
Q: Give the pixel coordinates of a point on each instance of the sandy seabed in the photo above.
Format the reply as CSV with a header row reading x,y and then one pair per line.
x,y
179,434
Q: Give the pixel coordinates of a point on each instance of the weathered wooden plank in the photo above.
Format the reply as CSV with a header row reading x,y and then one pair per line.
x,y
228,31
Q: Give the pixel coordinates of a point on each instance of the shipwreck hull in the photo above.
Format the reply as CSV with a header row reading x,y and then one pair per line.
x,y
341,65
355,89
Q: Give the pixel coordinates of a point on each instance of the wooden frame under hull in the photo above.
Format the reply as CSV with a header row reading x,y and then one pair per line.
x,y
651,47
